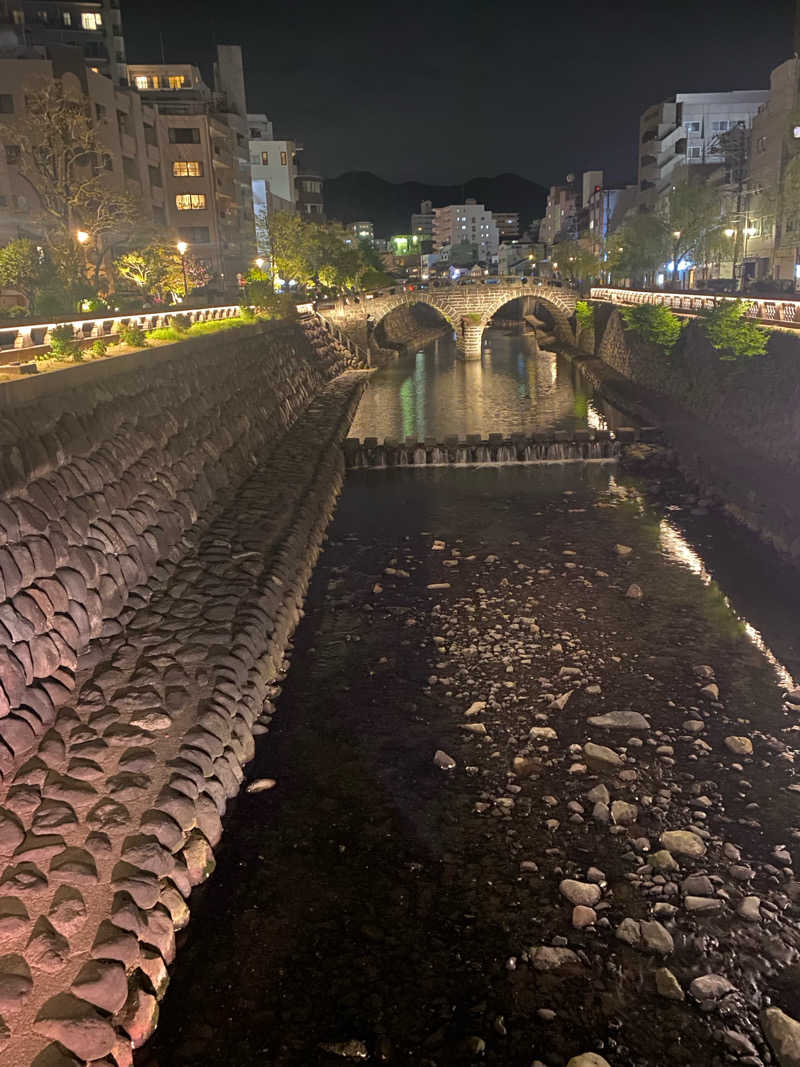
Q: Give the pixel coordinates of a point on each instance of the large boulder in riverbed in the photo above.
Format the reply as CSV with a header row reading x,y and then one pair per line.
x,y
783,1034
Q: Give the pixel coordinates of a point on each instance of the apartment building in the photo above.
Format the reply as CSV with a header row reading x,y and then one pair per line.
x,y
606,210
507,223
203,137
685,130
561,214
310,196
468,223
770,222
273,167
93,27
422,221
125,124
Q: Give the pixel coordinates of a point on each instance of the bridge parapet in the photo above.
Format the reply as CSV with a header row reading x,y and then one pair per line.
x,y
765,309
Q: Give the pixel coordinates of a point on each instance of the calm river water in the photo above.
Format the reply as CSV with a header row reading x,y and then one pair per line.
x,y
509,390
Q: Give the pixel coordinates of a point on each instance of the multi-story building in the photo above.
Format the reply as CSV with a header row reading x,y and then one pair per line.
x,y
606,210
93,27
507,223
363,231
769,220
468,223
273,167
685,130
125,125
561,214
422,221
516,257
204,144
310,200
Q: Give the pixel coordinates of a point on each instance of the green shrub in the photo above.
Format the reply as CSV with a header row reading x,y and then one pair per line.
x,y
727,328
98,348
181,323
654,323
132,335
64,345
585,315
247,314
214,326
166,333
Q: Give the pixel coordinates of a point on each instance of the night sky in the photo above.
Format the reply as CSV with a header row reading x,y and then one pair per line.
x,y
439,93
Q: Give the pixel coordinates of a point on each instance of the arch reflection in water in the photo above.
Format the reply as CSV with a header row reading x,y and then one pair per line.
x,y
511,389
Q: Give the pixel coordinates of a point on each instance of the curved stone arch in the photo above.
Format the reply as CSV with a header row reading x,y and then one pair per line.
x,y
386,305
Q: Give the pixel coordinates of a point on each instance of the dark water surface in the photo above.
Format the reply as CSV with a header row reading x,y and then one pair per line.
x,y
376,899
509,390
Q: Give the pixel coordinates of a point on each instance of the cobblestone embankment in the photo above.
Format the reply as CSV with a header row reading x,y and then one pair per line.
x,y
157,532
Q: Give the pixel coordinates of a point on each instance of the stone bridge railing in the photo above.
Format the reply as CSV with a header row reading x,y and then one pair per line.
x,y
765,309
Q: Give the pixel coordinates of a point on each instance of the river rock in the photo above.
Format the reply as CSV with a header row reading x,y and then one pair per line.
x,y
629,931
668,985
783,1034
547,958
710,691
710,987
684,842
588,1059
634,591
621,720
662,860
601,758
583,916
584,893
739,746
623,550
749,909
655,938
443,761
624,813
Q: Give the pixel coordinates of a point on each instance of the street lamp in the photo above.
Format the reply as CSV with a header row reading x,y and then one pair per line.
x,y
182,248
676,233
260,263
82,237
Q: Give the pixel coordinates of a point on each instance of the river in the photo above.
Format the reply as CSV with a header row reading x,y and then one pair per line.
x,y
377,906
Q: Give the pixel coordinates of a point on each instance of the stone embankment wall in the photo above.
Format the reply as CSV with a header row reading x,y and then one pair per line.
x,y
736,423
160,517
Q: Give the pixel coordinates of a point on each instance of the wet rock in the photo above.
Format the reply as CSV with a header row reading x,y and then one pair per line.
x,y
349,1050
698,885
684,842
443,761
623,813
663,860
749,909
739,1043
588,1059
583,916
634,592
584,893
261,785
710,987
783,1034
620,720
629,931
547,958
655,938
702,904
623,550
710,691
668,985
599,795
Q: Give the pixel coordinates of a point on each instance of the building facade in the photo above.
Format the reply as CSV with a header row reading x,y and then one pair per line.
x,y
468,223
422,221
561,214
93,27
310,199
507,223
203,138
273,167
684,130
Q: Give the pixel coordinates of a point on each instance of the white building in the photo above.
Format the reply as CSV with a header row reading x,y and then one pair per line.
x,y
685,129
468,223
273,167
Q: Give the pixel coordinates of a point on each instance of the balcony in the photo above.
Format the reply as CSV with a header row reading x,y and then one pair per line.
x,y
128,145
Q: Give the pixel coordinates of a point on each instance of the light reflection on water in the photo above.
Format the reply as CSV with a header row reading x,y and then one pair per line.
x,y
675,546
510,389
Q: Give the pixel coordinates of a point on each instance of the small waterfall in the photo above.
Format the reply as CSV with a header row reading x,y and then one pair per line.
x,y
439,455
483,454
401,457
507,454
420,456
463,454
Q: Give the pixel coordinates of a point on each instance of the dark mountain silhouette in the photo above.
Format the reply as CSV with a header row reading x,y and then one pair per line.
x,y
359,195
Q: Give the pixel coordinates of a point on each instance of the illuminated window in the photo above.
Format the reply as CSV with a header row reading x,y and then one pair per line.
x,y
693,127
91,20
283,159
187,168
190,201
265,159
141,81
67,18
19,18
176,81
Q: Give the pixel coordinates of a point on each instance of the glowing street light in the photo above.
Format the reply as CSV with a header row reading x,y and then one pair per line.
x,y
82,237
260,263
676,233
182,247
730,232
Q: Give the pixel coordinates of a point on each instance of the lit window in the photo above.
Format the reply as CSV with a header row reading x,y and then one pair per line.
x,y
190,201
67,18
19,18
141,81
187,168
176,81
693,127
284,159
265,159
91,20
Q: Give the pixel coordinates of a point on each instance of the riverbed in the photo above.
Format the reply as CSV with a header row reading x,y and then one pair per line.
x,y
443,872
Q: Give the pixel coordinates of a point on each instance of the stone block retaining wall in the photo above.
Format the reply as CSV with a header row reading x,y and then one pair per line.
x,y
158,526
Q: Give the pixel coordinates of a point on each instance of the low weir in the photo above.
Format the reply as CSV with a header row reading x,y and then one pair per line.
x,y
559,446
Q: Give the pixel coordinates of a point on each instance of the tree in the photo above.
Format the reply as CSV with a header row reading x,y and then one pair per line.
x,y
691,215
61,159
463,254
289,240
157,271
575,262
637,249
22,267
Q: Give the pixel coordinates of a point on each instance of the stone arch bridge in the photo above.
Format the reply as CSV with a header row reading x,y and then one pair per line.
x,y
468,309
